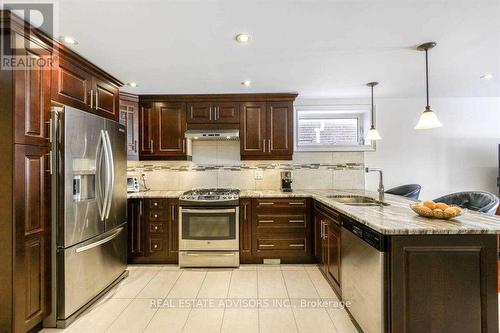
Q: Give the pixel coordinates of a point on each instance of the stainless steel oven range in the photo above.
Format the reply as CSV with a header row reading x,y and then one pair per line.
x,y
208,228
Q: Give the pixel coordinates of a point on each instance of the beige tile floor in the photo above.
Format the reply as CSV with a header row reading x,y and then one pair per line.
x,y
216,300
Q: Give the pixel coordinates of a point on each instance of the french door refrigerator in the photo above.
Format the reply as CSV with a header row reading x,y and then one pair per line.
x,y
90,200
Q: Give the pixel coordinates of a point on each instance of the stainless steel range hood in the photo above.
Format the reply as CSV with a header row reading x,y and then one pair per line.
x,y
216,134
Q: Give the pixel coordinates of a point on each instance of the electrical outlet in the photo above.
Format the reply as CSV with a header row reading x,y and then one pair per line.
x,y
259,174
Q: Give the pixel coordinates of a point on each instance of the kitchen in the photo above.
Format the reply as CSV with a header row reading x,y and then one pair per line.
x,y
224,191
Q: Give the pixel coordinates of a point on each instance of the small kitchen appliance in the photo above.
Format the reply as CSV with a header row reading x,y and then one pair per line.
x,y
132,184
286,181
209,228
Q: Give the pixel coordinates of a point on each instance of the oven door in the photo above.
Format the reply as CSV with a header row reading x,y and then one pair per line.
x,y
209,229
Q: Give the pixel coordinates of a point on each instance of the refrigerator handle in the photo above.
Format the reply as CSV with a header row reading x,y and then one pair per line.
x,y
108,178
111,180
99,185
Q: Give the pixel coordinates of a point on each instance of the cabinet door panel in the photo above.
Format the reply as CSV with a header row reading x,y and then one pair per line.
x,y
136,239
106,99
32,99
32,236
171,124
280,128
227,113
199,113
333,244
146,126
245,228
173,229
72,85
129,116
252,129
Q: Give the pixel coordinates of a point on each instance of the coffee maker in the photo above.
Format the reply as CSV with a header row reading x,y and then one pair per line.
x,y
286,181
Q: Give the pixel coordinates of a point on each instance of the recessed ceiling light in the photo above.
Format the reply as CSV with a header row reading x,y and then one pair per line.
x,y
132,84
242,37
245,83
68,40
487,76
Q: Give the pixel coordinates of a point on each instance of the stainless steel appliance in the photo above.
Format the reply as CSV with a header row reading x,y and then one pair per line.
x,y
132,184
363,278
286,181
89,219
209,228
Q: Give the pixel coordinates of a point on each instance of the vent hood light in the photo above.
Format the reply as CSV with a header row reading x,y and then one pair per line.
x,y
217,134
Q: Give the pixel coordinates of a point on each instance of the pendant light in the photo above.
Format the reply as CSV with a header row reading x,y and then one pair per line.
x,y
428,118
372,133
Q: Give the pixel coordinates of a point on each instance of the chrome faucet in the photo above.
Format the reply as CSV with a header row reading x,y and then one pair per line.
x,y
380,184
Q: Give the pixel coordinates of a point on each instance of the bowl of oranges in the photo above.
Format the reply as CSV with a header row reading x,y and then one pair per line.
x,y
436,210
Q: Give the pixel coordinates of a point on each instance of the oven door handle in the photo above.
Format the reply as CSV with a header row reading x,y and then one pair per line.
x,y
208,211
211,254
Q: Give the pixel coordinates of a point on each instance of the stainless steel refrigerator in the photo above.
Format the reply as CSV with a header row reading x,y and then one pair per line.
x,y
90,210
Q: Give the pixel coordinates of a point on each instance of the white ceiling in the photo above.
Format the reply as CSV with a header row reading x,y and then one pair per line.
x,y
316,48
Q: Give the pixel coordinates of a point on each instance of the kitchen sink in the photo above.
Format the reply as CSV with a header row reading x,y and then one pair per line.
x,y
357,200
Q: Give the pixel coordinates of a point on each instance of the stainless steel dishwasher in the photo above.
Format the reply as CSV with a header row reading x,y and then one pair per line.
x,y
363,275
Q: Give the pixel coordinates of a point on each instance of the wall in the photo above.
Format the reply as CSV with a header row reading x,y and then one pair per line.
x,y
462,155
217,164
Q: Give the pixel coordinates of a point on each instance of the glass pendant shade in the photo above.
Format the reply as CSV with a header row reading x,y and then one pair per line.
x,y
373,135
428,120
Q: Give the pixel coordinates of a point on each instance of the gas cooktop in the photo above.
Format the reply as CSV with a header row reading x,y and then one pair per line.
x,y
210,197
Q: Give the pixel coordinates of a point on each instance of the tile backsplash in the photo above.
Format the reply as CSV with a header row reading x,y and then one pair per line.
x,y
218,164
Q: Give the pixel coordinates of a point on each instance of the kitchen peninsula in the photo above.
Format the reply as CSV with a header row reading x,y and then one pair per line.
x,y
414,268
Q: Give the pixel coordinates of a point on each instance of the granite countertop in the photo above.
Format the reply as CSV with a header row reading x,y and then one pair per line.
x,y
395,219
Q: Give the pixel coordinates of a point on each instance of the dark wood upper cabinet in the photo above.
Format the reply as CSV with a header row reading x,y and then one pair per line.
x,y
199,113
213,113
129,117
266,130
79,84
161,131
171,126
253,118
71,84
32,98
280,128
106,99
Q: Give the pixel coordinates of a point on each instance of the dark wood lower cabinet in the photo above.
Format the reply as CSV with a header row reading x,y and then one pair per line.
x,y
153,230
443,284
327,247
31,267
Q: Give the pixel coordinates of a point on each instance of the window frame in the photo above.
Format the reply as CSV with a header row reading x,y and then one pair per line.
x,y
343,110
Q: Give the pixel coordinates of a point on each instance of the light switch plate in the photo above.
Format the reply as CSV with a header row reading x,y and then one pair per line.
x,y
259,174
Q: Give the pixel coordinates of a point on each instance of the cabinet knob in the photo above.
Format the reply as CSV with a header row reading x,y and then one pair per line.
x,y
156,215
155,246
156,204
156,228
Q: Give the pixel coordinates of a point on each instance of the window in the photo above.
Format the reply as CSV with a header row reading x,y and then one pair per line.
x,y
329,128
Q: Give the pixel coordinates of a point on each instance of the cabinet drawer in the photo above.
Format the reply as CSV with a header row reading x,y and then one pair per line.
x,y
158,215
283,222
156,245
282,244
155,227
158,203
299,203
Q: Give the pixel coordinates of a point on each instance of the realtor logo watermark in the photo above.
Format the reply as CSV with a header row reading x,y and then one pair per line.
x,y
20,53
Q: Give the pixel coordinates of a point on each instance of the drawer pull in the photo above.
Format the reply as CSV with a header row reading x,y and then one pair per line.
x,y
155,246
296,221
265,203
156,227
266,221
156,215
296,245
295,203
156,204
266,245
